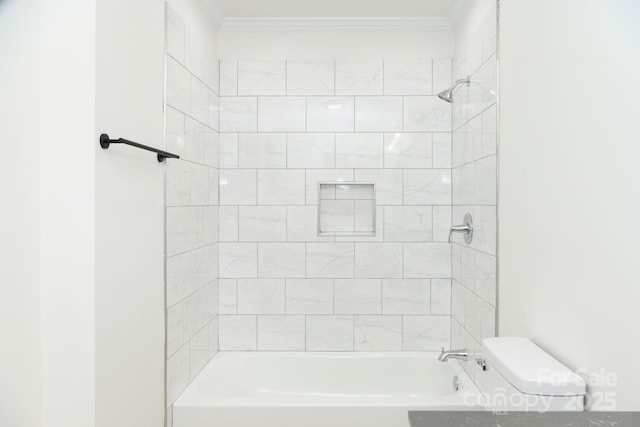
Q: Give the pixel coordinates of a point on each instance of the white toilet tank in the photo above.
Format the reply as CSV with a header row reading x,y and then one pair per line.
x,y
520,376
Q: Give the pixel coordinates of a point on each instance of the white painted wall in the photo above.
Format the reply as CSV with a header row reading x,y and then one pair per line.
x,y
338,45
129,202
79,331
67,191
20,319
47,213
569,276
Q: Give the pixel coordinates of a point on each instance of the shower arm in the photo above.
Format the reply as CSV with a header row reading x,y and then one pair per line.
x,y
461,82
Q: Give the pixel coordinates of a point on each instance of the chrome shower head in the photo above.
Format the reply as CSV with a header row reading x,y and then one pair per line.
x,y
447,95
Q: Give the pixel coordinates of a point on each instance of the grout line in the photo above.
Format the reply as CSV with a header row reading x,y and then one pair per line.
x,y
167,256
430,297
235,285
383,72
354,113
404,129
403,268
353,329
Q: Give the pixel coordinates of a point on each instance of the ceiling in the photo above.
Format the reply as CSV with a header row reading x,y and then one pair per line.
x,y
334,8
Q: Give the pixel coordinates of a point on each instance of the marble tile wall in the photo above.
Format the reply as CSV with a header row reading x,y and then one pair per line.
x,y
191,206
474,177
284,127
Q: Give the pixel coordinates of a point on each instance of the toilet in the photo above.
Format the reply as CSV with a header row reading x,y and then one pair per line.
x,y
514,374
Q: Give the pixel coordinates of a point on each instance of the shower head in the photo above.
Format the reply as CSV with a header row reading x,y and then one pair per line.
x,y
447,95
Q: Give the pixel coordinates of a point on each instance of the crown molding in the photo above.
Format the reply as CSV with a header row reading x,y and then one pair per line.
x,y
335,24
216,15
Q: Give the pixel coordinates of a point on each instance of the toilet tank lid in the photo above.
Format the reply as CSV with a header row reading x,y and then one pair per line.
x,y
530,369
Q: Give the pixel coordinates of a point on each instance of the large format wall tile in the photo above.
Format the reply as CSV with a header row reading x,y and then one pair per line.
x,y
176,32
281,333
261,77
408,77
427,186
287,126
442,75
406,296
228,77
238,187
190,271
308,77
426,333
408,223
178,89
474,177
281,260
239,114
329,333
378,333
191,205
302,224
378,260
238,333
281,114
311,150
330,260
330,114
262,223
309,296
281,187
359,77
408,150
357,296
358,150
388,182
426,114
432,260
238,260
228,296
261,296
228,151
262,150
379,114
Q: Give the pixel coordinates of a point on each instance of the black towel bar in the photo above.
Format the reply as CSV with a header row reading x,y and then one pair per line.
x,y
105,142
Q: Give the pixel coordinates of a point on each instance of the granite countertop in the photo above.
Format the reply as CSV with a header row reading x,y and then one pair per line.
x,y
522,419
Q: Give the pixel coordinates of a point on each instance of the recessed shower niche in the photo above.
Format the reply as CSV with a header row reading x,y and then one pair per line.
x,y
347,209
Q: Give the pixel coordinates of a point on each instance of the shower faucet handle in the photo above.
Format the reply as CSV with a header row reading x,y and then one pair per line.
x,y
466,228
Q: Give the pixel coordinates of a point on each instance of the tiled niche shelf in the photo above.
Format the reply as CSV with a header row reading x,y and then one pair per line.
x,y
347,209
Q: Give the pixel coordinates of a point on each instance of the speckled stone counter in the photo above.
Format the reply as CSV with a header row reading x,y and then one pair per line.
x,y
523,419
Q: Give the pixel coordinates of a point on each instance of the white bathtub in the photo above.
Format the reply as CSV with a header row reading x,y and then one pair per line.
x,y
238,389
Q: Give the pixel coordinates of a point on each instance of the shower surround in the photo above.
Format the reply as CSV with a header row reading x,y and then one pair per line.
x,y
285,126
191,121
474,180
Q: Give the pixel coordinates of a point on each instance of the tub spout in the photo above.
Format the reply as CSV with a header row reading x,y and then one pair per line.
x,y
453,354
